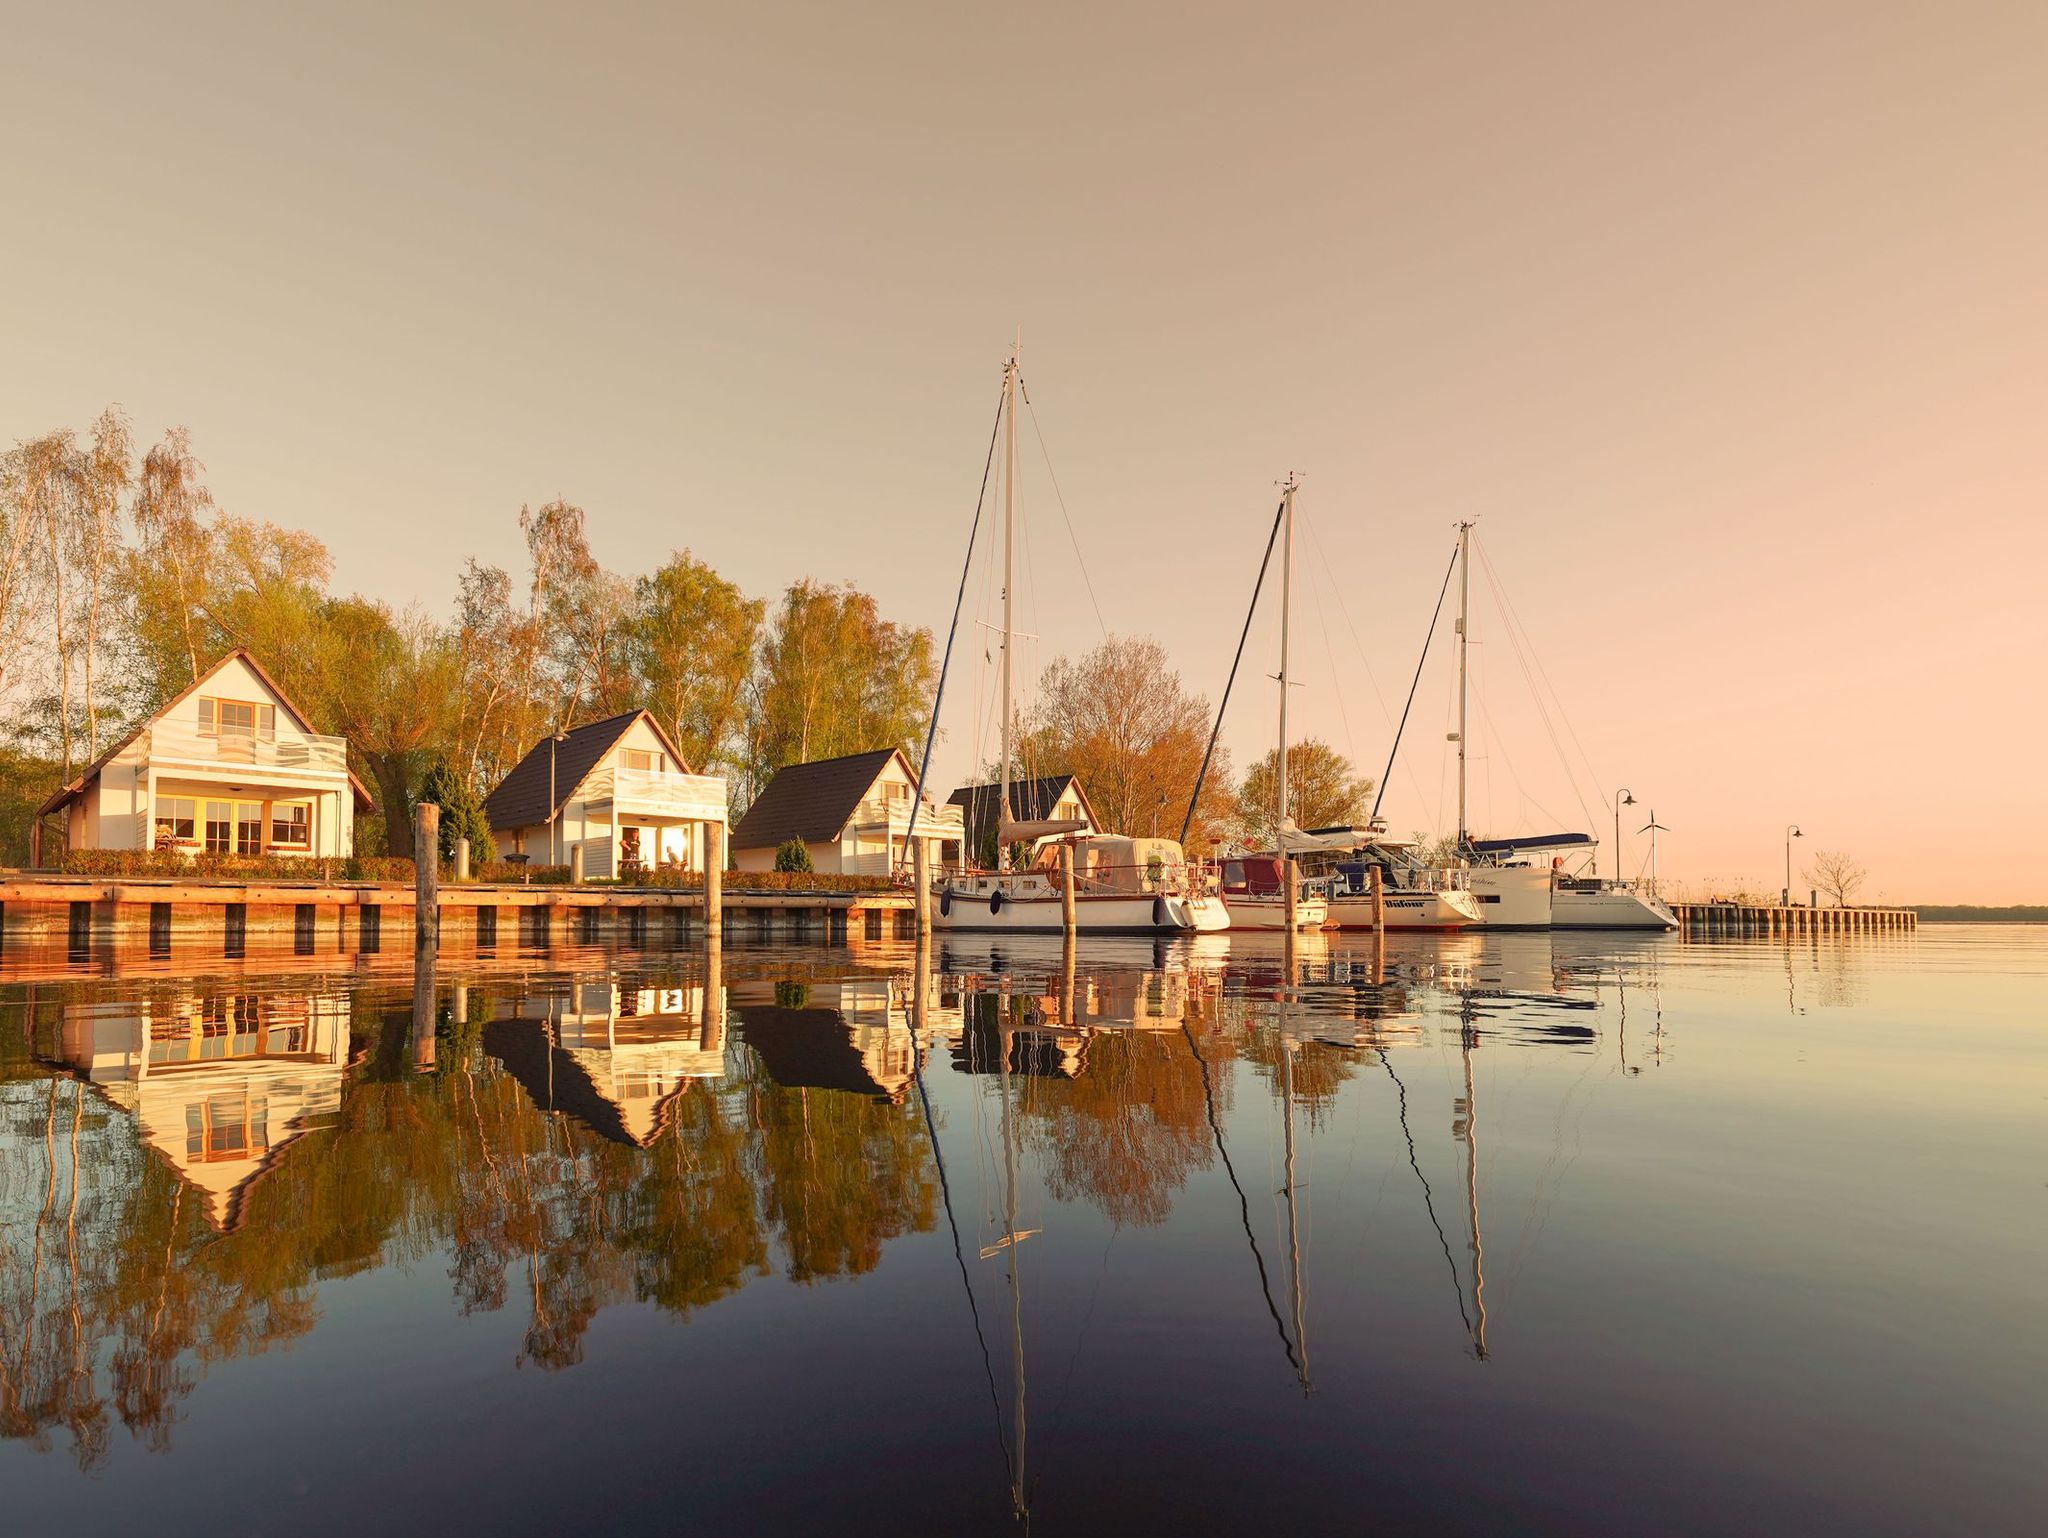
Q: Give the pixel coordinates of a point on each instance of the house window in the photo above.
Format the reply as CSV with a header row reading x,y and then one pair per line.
x,y
179,817
237,718
234,827
291,825
640,758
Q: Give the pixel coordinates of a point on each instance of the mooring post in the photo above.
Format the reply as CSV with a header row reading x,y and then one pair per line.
x,y
1292,883
1379,903
462,859
714,879
423,1006
426,874
921,884
576,863
1067,924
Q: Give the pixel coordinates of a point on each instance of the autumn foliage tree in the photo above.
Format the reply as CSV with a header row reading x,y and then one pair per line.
x,y
1118,717
1322,791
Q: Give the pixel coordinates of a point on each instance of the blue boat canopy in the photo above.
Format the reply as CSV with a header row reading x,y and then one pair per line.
x,y
1534,841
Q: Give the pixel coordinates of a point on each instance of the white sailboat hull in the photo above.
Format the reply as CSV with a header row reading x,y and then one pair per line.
x,y
1270,912
1512,896
1608,908
1407,910
1033,907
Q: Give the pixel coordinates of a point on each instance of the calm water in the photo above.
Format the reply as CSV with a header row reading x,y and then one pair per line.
x,y
1586,1234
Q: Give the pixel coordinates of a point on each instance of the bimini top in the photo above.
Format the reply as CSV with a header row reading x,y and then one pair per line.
x,y
1533,841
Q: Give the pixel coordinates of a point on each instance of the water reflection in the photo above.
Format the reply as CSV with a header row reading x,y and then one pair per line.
x,y
189,1164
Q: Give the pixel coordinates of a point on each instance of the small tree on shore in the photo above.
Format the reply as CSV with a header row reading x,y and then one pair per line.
x,y
793,855
1836,874
462,814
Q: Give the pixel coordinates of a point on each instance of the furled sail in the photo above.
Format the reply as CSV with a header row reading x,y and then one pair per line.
x,y
1025,832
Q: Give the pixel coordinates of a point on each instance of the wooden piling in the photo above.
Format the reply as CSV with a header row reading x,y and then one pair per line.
x,y
1068,925
1378,882
426,866
1292,884
921,884
714,879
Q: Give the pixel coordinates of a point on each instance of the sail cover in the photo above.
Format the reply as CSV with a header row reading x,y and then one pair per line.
x,y
1024,832
1534,841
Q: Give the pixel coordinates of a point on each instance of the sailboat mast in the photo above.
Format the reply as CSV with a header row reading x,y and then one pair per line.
x,y
1286,616
1287,1050
1464,641
1009,583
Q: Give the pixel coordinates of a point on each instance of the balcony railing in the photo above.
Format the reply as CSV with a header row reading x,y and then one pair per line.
x,y
938,821
697,797
320,755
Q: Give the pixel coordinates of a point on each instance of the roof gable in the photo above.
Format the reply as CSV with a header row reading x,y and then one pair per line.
x,y
240,654
813,801
521,799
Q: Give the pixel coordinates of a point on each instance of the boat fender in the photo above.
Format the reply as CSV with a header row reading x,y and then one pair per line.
x,y
995,901
946,904
1158,913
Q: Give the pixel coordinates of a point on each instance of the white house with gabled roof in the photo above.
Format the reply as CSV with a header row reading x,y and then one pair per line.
x,y
230,766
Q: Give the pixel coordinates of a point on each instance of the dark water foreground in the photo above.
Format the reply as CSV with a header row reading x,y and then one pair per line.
x,y
1586,1234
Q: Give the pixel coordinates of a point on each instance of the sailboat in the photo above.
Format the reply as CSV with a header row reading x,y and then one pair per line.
x,y
1512,892
1122,885
1256,887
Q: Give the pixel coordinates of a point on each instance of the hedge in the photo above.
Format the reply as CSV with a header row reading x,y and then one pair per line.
x,y
208,866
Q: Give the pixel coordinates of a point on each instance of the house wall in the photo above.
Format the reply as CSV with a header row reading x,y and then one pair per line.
x,y
590,824
114,812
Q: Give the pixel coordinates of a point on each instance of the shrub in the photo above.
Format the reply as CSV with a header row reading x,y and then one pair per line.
x,y
793,855
507,873
205,865
462,816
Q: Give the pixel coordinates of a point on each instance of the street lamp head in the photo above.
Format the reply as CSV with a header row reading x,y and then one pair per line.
x,y
1627,799
1797,834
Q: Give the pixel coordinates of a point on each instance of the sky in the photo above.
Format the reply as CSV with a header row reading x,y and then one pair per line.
x,y
1725,323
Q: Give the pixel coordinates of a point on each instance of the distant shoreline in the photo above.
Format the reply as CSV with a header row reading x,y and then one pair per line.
x,y
1965,913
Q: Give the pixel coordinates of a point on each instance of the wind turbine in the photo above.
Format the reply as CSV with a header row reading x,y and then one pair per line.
x,y
1653,828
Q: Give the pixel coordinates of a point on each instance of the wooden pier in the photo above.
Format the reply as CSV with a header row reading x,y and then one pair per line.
x,y
1773,921
99,915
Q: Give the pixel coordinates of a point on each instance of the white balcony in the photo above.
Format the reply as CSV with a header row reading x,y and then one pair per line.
x,y
878,813
177,742
653,793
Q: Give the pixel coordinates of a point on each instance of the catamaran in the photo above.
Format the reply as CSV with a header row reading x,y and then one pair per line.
x,y
1513,892
1121,885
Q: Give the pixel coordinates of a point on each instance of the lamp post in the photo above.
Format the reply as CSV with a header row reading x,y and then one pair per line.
x,y
1622,798
1791,832
554,824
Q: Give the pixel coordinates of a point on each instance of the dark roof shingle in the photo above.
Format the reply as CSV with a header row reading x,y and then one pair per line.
x,y
521,798
809,801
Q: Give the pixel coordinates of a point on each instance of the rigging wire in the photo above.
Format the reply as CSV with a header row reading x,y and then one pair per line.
x,y
1523,657
959,1256
1435,615
938,696
1244,1205
1061,497
1401,1090
1194,799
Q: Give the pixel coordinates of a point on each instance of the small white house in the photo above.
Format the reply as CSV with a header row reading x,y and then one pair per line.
x,y
617,787
853,815
229,766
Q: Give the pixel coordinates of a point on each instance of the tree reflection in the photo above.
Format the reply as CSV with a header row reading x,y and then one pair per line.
x,y
119,1288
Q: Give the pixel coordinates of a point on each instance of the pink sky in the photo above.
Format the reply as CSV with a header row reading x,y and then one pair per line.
x,y
1727,322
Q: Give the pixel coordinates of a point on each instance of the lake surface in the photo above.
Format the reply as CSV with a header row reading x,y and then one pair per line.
x,y
1564,1234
